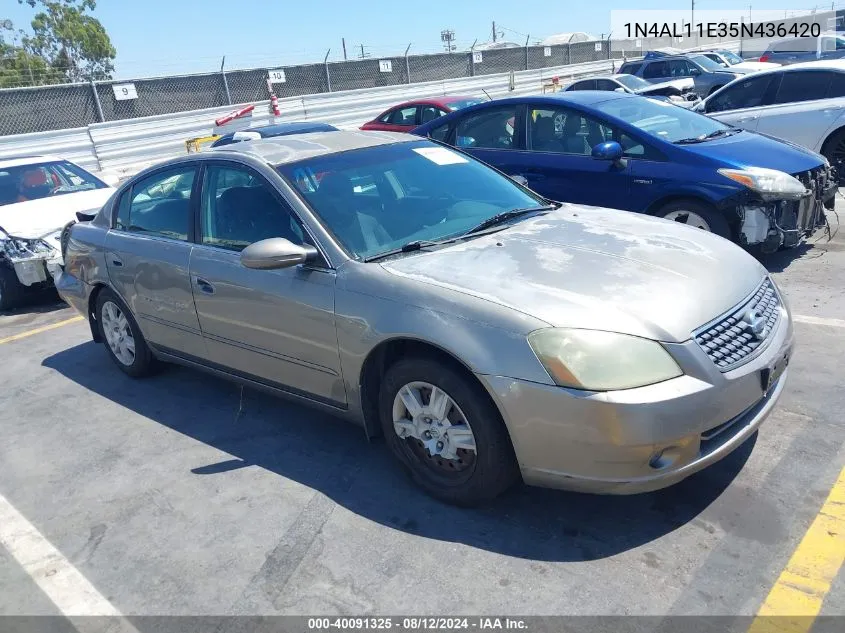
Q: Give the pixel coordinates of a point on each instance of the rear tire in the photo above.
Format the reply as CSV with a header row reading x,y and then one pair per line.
x,y
11,290
122,336
697,214
478,471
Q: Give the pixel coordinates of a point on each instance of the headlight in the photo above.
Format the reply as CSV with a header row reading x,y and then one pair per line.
x,y
767,182
601,361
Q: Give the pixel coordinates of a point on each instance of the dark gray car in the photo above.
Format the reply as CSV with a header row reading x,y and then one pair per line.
x,y
805,49
487,333
706,75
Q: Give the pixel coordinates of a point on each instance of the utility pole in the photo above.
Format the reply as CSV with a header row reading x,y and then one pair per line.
x,y
494,30
343,40
692,14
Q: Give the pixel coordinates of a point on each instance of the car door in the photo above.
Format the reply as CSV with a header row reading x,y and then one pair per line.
x,y
801,111
739,103
148,251
277,326
557,161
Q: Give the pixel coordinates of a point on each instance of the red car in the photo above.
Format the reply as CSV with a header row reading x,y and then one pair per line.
x,y
406,116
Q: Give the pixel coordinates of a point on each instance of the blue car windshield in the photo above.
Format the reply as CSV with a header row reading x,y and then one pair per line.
x,y
662,119
377,199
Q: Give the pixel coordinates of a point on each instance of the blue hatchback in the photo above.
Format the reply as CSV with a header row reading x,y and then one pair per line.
x,y
628,152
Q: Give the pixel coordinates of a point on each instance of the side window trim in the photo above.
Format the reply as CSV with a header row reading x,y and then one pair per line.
x,y
277,195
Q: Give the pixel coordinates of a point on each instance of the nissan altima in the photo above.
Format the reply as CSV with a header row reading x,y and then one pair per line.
x,y
487,333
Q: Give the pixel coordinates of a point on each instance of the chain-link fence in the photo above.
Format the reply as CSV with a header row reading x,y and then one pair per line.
x,y
59,107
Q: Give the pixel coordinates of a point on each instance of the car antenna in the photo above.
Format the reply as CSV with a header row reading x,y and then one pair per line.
x,y
485,92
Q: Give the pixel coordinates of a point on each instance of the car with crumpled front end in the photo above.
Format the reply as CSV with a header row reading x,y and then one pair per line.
x,y
39,195
486,332
637,154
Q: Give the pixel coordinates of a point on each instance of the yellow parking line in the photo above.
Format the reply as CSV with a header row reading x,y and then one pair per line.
x,y
38,330
796,599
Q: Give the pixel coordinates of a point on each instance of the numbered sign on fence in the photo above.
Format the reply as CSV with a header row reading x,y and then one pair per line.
x,y
277,76
547,51
598,46
477,57
385,66
124,92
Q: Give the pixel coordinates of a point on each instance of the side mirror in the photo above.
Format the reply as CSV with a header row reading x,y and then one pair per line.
x,y
465,141
276,252
609,150
518,178
694,72
619,89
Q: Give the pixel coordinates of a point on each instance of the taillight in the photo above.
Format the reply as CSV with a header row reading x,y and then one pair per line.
x,y
764,58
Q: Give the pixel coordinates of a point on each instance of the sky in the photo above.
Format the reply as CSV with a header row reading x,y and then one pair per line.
x,y
166,37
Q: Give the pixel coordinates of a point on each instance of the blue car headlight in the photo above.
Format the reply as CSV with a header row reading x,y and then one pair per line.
x,y
769,183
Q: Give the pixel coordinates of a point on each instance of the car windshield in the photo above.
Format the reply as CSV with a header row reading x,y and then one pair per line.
x,y
462,103
632,82
661,118
706,63
34,181
732,58
378,199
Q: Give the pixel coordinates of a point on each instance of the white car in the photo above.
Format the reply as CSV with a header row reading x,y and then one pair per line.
x,y
802,103
731,60
39,195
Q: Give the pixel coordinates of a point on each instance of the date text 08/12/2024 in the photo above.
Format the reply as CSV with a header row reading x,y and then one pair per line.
x,y
722,29
421,623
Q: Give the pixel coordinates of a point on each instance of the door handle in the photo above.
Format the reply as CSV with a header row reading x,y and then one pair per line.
x,y
747,118
116,260
203,285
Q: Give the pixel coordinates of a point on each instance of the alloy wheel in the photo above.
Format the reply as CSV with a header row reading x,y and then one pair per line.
x,y
118,333
690,218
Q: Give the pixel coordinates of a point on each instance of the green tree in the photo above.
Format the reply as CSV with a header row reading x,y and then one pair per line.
x,y
72,45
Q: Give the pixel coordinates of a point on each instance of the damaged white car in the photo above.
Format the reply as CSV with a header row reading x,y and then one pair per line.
x,y
39,196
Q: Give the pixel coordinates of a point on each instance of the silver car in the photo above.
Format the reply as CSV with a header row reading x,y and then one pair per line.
x,y
487,333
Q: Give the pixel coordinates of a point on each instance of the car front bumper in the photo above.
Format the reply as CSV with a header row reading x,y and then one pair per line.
x,y
638,440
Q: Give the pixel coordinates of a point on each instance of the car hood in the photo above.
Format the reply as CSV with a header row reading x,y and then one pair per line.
x,y
586,267
750,149
680,84
36,218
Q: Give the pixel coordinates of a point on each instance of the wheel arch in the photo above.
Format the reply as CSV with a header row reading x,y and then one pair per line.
x,y
388,352
829,138
92,311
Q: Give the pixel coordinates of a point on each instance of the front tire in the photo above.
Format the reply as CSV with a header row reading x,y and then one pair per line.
x,y
11,290
122,336
445,430
696,214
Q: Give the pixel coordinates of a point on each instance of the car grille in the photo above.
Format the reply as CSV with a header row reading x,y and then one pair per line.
x,y
736,337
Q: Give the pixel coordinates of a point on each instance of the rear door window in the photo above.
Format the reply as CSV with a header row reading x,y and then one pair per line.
x,y
630,68
804,85
491,128
655,69
837,86
587,84
159,204
401,116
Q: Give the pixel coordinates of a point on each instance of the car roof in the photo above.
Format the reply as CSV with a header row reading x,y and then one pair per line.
x,y
829,64
278,150
34,159
590,77
437,100
291,127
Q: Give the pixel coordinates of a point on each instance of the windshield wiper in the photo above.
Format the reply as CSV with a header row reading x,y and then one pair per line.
x,y
504,216
706,137
409,247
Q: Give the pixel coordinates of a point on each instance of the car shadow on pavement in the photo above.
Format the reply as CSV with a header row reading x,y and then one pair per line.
x,y
333,457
